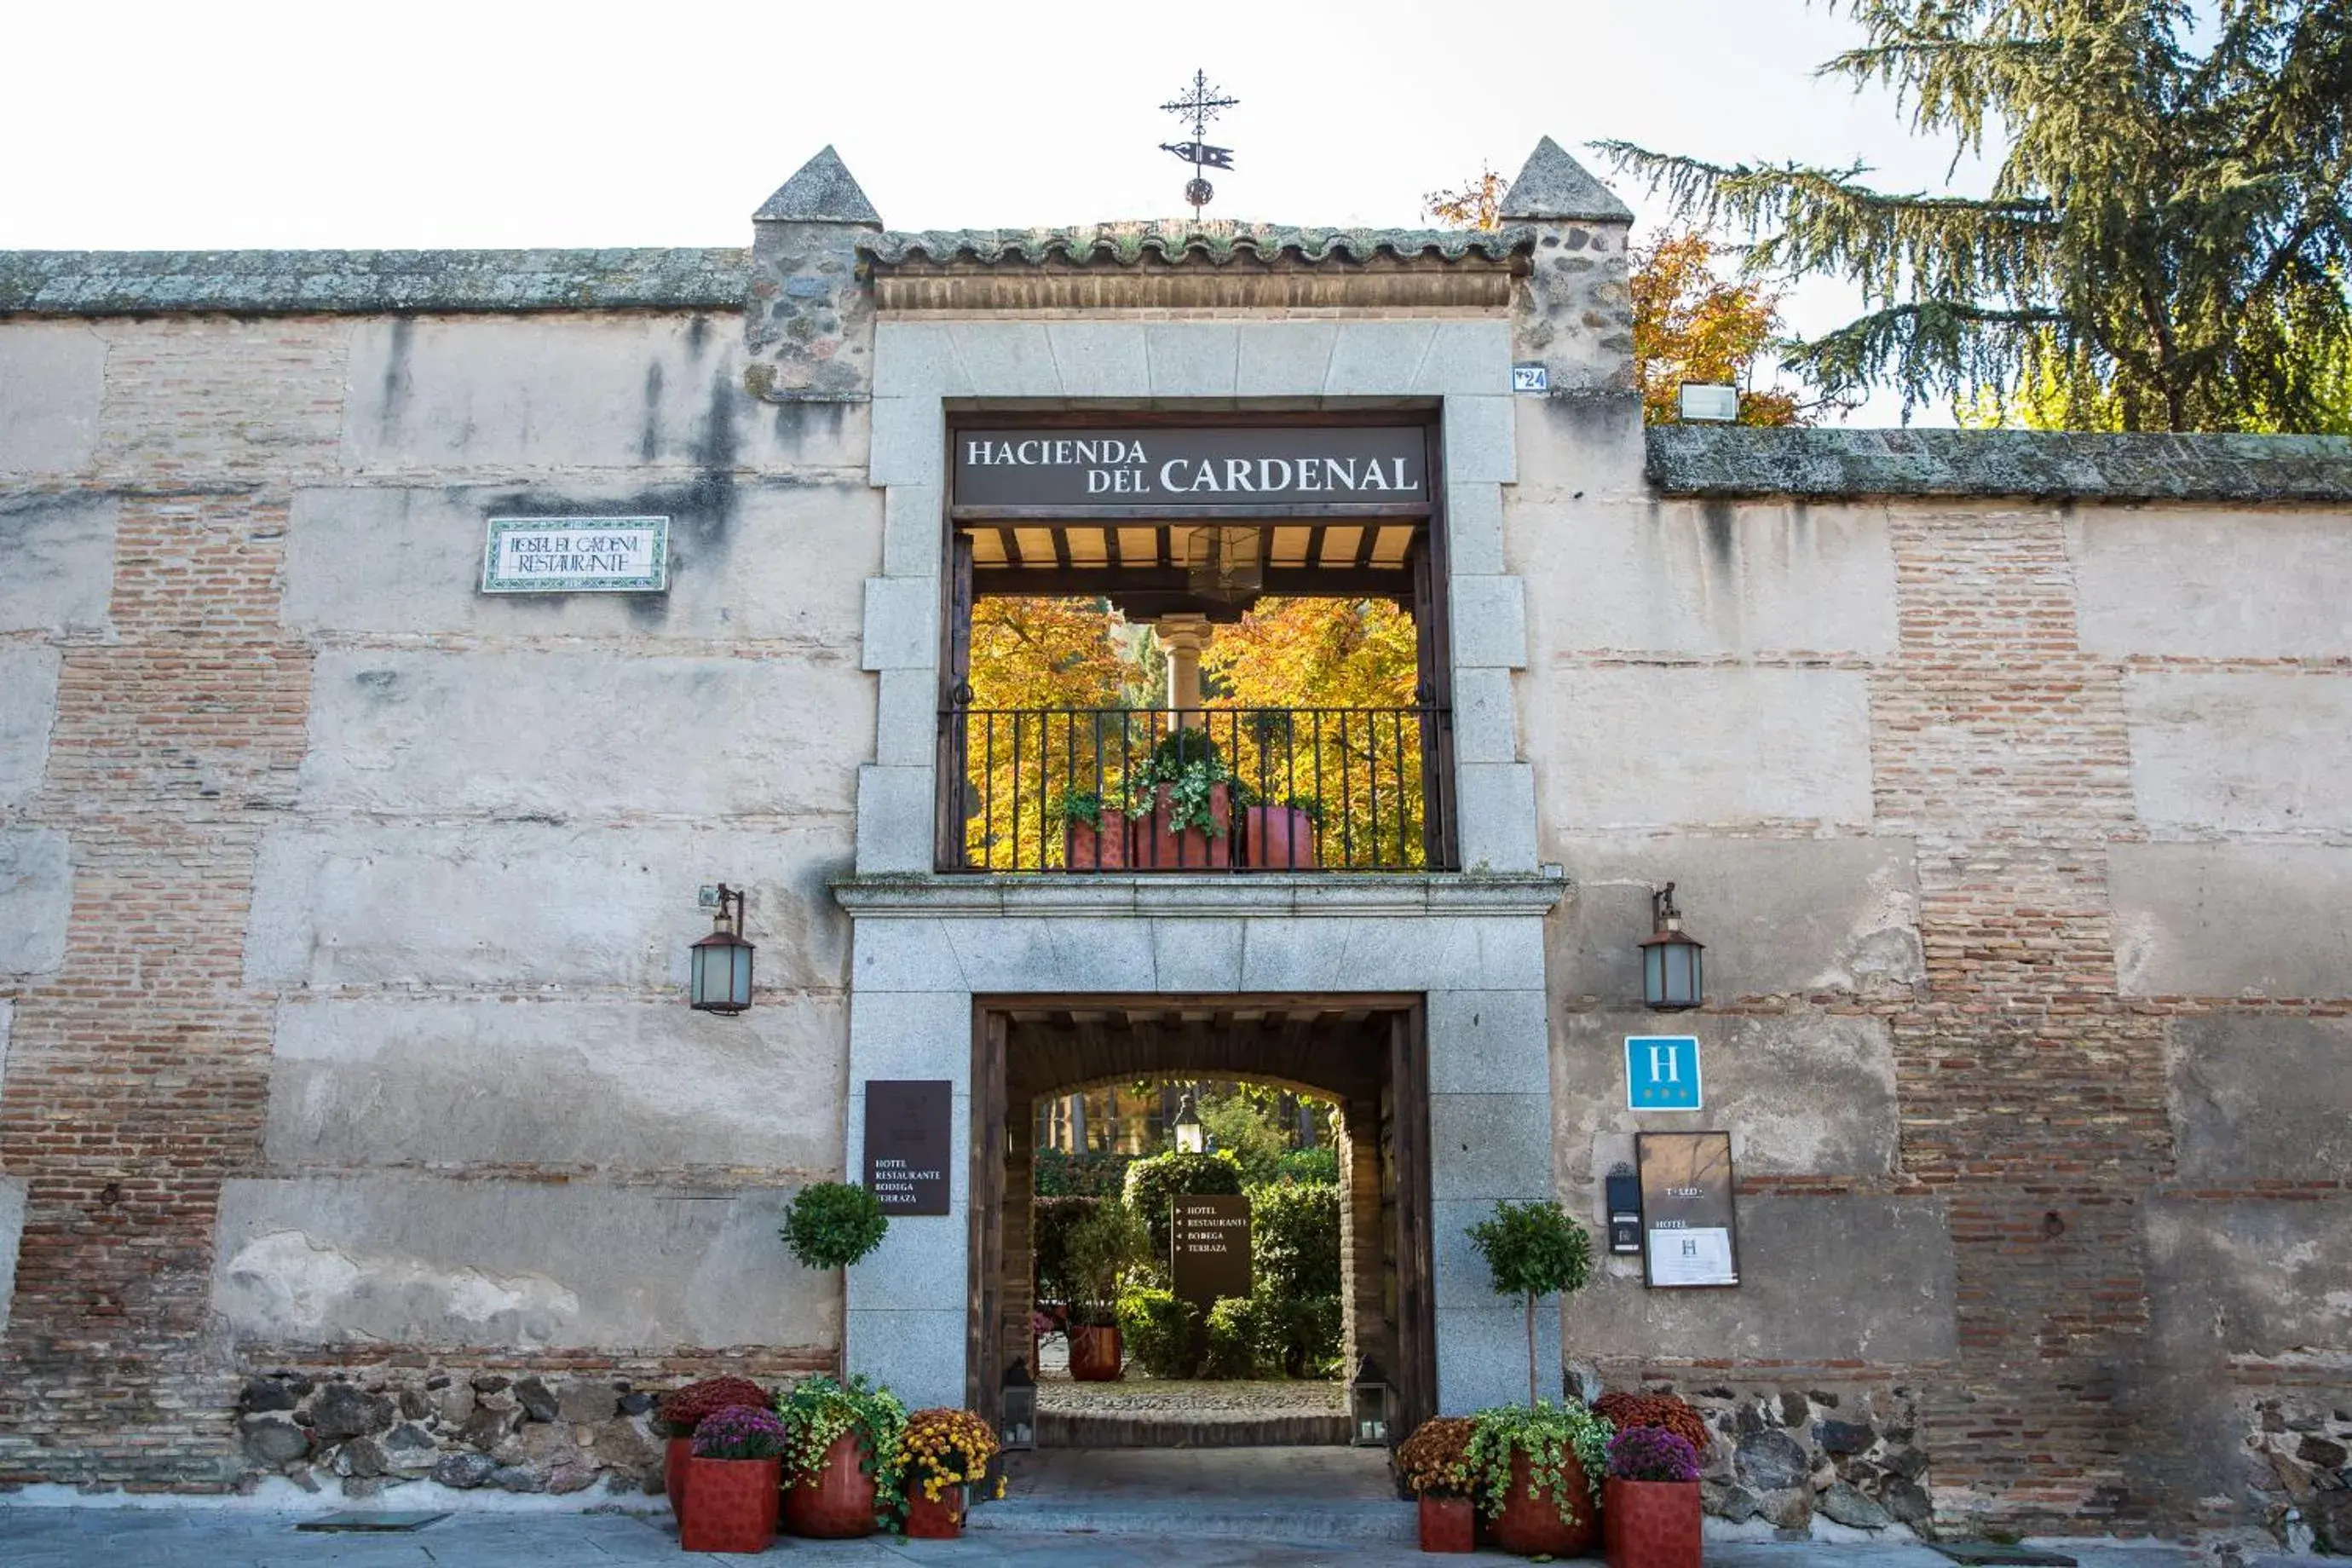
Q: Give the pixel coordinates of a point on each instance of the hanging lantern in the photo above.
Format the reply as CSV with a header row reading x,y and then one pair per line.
x,y
1673,974
1190,1140
1370,1402
1226,563
1017,1426
719,978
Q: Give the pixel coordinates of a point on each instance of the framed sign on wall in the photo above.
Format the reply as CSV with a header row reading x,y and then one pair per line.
x,y
1690,1235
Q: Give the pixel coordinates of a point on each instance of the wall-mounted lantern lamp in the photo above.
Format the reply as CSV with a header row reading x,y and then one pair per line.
x,y
1672,969
1188,1137
1369,1400
720,976
1016,1427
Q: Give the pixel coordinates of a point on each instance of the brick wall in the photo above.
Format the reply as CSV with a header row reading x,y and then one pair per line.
x,y
2032,1098
138,1077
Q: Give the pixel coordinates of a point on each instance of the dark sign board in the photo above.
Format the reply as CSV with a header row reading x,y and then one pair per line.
x,y
908,1139
1209,1246
1184,468
1689,1236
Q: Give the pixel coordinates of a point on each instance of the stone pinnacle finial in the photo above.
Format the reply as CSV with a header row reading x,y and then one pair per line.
x,y
1554,185
823,192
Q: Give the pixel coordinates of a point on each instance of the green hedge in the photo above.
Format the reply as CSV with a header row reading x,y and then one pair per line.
x,y
1153,1182
1320,1163
1160,1332
1295,1239
1095,1174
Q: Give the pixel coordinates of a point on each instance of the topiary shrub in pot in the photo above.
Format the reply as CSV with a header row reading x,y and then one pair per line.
x,y
832,1224
1650,1503
1434,1464
682,1410
1097,1253
1534,1250
841,1466
731,1481
1539,1468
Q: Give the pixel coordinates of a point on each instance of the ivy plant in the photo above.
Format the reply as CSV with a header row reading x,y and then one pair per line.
x,y
1546,1435
820,1410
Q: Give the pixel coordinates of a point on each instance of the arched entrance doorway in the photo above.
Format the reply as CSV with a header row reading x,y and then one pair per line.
x,y
1366,1052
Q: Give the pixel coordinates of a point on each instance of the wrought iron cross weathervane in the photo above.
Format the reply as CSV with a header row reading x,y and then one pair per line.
x,y
1200,105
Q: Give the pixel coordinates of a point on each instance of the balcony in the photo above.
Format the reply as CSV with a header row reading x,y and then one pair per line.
x,y
1093,791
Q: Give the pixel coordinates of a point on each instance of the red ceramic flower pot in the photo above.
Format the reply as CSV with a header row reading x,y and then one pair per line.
x,y
1159,847
675,1454
731,1505
1650,1524
1533,1526
1278,838
835,1501
1095,1353
1089,846
939,1519
1448,1523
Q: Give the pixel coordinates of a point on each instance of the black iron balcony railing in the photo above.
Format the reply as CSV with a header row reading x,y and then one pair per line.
x,y
1216,789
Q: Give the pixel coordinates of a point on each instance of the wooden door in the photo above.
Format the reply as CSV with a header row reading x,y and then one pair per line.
x,y
1414,1377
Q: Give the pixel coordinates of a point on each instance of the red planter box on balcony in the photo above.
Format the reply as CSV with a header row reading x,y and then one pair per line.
x,y
1087,847
1159,847
1278,838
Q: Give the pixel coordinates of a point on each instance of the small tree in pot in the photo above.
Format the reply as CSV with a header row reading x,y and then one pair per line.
x,y
1096,1255
832,1224
1534,1250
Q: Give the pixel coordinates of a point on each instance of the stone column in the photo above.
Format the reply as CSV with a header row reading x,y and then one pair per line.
x,y
1573,313
1184,639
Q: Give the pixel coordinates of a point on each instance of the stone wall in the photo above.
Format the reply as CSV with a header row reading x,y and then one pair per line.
x,y
2016,832
344,911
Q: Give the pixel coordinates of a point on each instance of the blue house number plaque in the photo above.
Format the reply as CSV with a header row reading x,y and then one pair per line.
x,y
1662,1072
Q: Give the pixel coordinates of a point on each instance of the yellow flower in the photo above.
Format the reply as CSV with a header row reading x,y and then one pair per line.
x,y
1000,1488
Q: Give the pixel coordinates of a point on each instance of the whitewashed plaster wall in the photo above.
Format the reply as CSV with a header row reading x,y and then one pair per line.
x,y
475,921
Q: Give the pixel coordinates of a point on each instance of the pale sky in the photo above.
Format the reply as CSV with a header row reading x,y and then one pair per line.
x,y
244,124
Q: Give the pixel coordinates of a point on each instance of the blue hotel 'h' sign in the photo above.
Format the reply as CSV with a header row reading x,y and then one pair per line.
x,y
1662,1072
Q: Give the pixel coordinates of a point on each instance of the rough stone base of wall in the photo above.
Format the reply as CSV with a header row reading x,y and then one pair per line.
x,y
552,1426
2297,1469
1805,1455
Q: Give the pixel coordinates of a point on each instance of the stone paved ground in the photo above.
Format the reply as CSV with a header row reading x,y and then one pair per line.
x,y
224,1537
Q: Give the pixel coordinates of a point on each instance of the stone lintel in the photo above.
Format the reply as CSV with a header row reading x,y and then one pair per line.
x,y
1166,896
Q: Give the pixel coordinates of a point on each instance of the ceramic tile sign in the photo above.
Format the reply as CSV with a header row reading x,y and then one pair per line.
x,y
576,555
908,1140
1689,1234
1209,1247
1662,1072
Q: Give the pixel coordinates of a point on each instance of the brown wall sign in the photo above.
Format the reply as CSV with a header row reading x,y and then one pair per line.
x,y
1210,1249
1689,1236
1181,469
908,1143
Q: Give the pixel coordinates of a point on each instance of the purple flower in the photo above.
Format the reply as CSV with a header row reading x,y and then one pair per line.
x,y
1652,1454
741,1432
